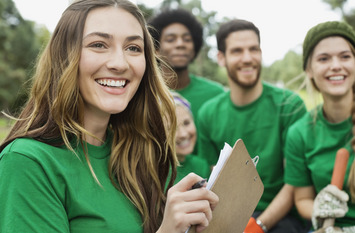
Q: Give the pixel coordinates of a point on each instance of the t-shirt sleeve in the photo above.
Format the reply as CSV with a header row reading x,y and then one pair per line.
x,y
293,109
296,171
28,200
206,149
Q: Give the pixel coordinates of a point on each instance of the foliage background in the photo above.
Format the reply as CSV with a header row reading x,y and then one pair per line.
x,y
21,41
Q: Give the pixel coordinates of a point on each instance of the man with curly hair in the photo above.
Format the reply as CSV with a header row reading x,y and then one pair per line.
x,y
178,38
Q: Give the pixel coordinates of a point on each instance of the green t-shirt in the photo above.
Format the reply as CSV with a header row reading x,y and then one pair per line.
x,y
193,164
197,93
262,125
49,189
310,152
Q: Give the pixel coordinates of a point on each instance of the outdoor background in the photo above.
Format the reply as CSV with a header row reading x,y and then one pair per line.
x,y
280,21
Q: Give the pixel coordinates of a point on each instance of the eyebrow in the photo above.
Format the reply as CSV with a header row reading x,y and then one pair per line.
x,y
177,34
108,36
100,34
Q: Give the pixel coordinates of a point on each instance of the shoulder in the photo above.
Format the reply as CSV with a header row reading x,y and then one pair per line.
x,y
216,103
31,148
197,80
287,100
280,92
303,123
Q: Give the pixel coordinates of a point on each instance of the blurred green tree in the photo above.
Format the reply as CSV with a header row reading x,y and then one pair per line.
x,y
20,42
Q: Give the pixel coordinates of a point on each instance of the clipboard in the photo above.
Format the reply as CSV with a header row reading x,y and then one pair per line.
x,y
239,189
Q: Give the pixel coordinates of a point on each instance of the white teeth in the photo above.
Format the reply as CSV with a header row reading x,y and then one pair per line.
x,y
247,69
336,78
112,83
184,143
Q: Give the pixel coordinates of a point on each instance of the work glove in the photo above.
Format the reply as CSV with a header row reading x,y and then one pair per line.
x,y
330,202
253,227
333,230
349,229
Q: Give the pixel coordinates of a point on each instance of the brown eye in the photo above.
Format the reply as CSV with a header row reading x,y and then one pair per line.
x,y
97,45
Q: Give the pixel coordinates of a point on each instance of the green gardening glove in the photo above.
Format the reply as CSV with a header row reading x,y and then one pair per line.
x,y
330,202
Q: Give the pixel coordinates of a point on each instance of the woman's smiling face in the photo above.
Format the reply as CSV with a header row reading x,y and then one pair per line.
x,y
112,61
333,67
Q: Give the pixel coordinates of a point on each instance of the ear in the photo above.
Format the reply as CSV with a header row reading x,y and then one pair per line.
x,y
221,59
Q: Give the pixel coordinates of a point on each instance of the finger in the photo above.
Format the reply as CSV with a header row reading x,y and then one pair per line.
x,y
187,182
202,194
199,220
340,194
202,206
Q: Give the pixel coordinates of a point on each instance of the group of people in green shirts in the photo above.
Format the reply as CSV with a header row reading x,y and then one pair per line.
x,y
117,130
297,148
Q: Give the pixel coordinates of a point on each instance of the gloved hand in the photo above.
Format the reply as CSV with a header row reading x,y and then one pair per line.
x,y
348,229
333,230
253,227
330,202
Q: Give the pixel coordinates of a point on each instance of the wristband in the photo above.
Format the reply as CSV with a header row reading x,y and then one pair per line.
x,y
261,224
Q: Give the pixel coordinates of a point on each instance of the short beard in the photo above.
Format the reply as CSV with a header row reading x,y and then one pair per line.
x,y
235,79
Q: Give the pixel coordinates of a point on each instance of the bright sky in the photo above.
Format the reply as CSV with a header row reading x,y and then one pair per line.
x,y
282,23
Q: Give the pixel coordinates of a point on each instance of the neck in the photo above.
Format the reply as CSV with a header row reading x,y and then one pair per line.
x,y
97,128
337,110
182,79
241,96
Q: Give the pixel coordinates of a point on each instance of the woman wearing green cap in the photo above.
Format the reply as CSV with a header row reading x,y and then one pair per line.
x,y
313,141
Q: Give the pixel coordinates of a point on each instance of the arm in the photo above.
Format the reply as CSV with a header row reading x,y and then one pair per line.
x,y
28,201
185,207
304,199
279,207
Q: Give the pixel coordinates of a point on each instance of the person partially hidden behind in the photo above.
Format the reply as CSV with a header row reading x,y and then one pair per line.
x,y
185,140
178,37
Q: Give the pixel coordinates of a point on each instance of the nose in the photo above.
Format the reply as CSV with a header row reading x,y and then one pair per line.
x,y
180,42
117,61
336,64
181,132
246,56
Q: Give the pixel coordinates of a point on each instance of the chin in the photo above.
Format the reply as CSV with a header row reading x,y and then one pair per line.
x,y
184,152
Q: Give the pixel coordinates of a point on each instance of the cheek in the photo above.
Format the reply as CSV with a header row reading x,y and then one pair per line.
x,y
139,67
192,130
318,71
87,64
351,70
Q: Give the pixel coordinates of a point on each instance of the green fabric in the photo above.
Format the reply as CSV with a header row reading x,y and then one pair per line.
x,y
323,30
262,125
48,189
194,164
310,154
197,93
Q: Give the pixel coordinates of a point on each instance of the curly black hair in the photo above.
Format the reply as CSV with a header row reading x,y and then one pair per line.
x,y
170,16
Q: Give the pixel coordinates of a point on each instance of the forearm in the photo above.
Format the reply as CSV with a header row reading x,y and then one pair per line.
x,y
305,208
278,208
304,200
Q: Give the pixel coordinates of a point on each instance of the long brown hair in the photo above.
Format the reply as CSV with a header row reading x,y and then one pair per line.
x,y
143,148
